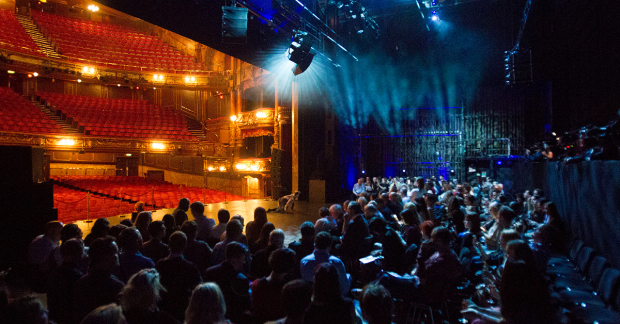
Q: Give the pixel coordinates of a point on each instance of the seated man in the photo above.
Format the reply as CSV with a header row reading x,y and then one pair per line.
x,y
285,203
131,260
322,245
62,280
155,249
266,291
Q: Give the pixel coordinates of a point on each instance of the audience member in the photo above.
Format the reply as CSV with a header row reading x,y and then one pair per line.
x,y
229,277
137,209
260,266
41,247
116,230
197,252
296,297
140,297
304,246
206,306
68,232
62,281
142,224
376,304
233,233
24,310
328,306
131,260
355,233
223,216
263,240
108,314
322,245
154,248
180,213
99,286
171,227
204,223
100,229
254,227
266,291
178,276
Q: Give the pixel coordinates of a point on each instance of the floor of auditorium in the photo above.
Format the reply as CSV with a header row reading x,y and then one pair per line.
x,y
289,222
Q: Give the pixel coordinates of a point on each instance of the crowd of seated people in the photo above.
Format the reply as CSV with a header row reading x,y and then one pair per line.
x,y
397,244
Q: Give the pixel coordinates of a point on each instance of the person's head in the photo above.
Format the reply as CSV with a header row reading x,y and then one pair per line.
x,y
470,200
307,231
197,208
169,222
26,310
190,229
506,215
441,236
545,235
360,180
108,314
321,225
336,211
430,199
130,240
72,250
427,229
223,216
445,186
177,242
518,250
552,210
100,227
282,260
376,304
143,220
506,236
184,204
538,193
494,209
103,254
454,204
235,254
157,229
370,211
394,197
362,201
265,231
411,217
127,222
206,306
326,284
354,209
116,230
70,231
296,297
322,241
138,207
233,230
260,216
323,212
142,291
240,219
419,183
276,238
472,222
180,217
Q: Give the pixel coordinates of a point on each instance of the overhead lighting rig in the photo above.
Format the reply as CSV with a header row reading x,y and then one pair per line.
x,y
300,52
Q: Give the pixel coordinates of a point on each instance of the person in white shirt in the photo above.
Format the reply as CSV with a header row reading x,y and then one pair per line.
x,y
322,245
359,188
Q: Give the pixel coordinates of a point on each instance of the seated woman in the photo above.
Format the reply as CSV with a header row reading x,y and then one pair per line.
x,y
140,297
328,306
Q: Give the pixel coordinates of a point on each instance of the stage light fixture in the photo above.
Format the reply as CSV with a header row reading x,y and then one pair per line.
x,y
35,74
435,18
299,52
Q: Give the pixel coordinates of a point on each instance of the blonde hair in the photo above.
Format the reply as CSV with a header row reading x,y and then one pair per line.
x,y
206,306
142,291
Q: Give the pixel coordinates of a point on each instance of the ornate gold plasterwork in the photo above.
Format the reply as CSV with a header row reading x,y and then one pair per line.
x,y
263,117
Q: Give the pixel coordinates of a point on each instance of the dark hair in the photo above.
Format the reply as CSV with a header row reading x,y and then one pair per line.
x,y
169,222
441,235
233,229
130,239
100,249
234,250
156,227
180,217
197,207
260,216
427,227
507,214
552,211
265,231
524,294
322,240
177,241
70,231
72,248
223,216
521,251
116,230
410,217
189,228
184,204
376,304
296,297
474,219
356,208
306,229
100,228
282,260
26,310
323,212
326,284
127,222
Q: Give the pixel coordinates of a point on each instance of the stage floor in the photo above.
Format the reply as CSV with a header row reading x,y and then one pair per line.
x,y
288,222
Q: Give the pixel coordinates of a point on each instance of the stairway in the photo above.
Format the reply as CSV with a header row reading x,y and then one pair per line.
x,y
32,29
195,128
63,123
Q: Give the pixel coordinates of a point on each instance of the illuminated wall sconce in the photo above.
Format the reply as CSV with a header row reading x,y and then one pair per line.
x,y
79,80
261,114
89,70
254,167
35,74
66,142
190,80
93,8
233,118
159,78
241,166
211,168
222,168
158,146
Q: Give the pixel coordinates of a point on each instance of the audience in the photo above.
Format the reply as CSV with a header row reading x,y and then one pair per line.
x,y
254,227
197,252
233,234
142,224
100,229
154,248
206,306
328,306
138,208
24,310
296,296
180,213
266,298
204,223
170,225
131,260
62,281
263,240
139,299
376,304
322,245
223,216
107,314
260,266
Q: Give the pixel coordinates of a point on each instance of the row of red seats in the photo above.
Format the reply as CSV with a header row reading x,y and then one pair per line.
x,y
14,37
17,114
162,194
111,117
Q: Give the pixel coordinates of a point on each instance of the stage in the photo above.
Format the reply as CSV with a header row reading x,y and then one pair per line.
x,y
288,222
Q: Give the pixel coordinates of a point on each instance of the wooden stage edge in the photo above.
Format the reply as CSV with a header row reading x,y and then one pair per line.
x,y
289,222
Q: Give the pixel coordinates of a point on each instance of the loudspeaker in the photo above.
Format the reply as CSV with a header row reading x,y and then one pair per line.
x,y
234,25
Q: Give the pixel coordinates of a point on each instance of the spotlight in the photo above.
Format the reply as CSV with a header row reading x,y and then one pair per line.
x,y
79,80
233,118
435,18
35,74
363,172
499,162
29,75
299,52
